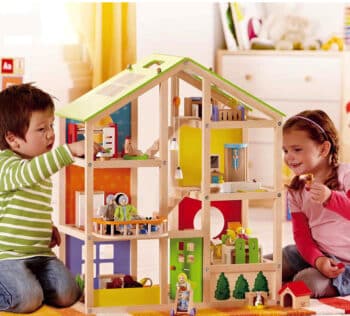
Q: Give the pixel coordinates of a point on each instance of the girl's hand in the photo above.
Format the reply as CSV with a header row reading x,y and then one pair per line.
x,y
55,237
328,267
319,192
78,148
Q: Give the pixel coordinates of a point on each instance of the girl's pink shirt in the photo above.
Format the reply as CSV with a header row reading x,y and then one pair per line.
x,y
323,228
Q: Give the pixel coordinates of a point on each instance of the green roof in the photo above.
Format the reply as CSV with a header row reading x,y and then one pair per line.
x,y
118,87
124,84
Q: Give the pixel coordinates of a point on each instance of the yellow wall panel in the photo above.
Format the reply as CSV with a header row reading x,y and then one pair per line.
x,y
190,155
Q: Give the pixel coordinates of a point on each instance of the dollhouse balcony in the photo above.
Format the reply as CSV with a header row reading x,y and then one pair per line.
x,y
79,233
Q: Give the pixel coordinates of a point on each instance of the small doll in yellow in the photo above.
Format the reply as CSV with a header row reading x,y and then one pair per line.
x,y
182,283
124,211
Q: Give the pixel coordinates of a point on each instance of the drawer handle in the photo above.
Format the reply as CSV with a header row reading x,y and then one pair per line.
x,y
308,78
248,77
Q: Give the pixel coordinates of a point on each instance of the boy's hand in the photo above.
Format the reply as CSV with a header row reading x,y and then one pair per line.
x,y
319,192
78,148
55,237
329,267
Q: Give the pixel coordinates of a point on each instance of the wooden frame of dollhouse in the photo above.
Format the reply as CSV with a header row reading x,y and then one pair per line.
x,y
126,87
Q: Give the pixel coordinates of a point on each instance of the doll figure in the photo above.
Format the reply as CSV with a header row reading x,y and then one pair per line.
x,y
182,282
124,211
129,148
183,301
109,215
131,153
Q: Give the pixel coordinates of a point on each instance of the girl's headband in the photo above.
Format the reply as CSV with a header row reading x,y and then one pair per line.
x,y
314,123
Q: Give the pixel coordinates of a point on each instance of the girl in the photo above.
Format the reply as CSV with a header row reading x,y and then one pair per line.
x,y
321,209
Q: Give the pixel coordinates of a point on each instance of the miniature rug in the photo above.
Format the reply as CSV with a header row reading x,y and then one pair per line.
x,y
239,311
330,306
325,306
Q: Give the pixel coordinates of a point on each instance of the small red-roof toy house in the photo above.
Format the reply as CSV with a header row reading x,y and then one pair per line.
x,y
294,294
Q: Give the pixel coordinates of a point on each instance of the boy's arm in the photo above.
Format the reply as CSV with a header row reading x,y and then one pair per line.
x,y
16,172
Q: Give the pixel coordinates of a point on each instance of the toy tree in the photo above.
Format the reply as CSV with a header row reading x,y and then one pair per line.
x,y
260,283
222,291
241,287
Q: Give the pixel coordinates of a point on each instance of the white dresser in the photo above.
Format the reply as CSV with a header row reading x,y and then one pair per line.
x,y
291,81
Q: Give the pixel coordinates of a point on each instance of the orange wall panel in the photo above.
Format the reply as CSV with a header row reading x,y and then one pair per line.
x,y
107,180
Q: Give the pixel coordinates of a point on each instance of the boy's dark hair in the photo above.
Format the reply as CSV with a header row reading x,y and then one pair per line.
x,y
17,103
323,130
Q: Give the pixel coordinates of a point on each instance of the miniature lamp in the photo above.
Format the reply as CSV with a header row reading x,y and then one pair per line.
x,y
173,144
178,173
176,104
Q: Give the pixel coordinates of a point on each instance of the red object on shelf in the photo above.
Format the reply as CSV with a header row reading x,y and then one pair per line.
x,y
348,107
188,207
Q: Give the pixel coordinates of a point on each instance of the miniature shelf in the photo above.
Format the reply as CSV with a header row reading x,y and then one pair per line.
x,y
244,196
244,124
195,193
247,267
98,237
187,233
120,163
250,123
72,230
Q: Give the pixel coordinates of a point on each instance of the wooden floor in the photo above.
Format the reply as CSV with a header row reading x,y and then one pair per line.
x,y
49,311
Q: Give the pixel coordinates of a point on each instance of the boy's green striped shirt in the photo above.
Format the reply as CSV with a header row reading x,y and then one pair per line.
x,y
25,202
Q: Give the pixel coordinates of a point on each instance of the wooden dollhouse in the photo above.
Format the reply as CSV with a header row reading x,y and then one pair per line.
x,y
187,207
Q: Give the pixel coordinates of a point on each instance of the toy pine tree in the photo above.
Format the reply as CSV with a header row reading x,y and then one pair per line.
x,y
222,291
260,283
241,287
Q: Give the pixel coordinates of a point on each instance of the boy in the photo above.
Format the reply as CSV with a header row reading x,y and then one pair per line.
x,y
30,273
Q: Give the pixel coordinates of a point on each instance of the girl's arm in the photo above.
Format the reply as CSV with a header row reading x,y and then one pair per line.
x,y
339,202
303,238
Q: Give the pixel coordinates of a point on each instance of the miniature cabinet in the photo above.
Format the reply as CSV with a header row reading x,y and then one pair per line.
x,y
292,81
166,72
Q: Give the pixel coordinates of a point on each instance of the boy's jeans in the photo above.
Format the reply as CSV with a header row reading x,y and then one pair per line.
x,y
26,284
